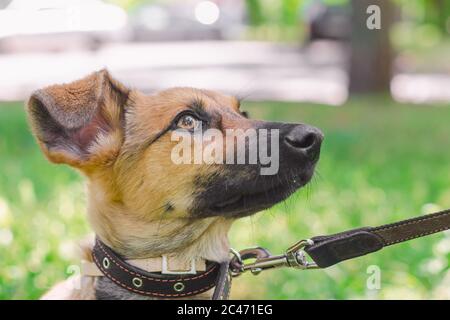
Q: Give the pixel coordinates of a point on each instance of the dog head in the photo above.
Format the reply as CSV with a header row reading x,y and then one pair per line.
x,y
124,142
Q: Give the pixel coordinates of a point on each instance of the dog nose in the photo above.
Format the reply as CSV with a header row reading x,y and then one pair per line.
x,y
305,140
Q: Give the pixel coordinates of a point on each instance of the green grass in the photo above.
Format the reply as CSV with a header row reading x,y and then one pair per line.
x,y
381,162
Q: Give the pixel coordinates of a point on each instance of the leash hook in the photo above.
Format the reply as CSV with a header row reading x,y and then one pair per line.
x,y
294,257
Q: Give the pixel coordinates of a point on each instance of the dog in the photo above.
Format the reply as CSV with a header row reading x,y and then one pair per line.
x,y
140,203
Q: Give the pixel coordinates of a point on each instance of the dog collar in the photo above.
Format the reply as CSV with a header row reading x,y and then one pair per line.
x,y
162,285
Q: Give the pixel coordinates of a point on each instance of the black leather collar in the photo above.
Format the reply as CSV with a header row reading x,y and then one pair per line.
x,y
159,285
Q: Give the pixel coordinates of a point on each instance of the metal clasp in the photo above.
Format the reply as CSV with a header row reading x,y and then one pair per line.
x,y
294,257
165,268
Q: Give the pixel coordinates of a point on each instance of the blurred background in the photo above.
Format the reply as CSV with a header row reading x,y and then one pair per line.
x,y
381,96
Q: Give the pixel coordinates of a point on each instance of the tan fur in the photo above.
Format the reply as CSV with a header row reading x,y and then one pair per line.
x,y
128,184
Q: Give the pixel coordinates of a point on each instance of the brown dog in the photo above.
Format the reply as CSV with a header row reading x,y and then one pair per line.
x,y
142,204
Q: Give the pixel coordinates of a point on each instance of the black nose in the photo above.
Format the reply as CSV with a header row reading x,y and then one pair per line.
x,y
304,140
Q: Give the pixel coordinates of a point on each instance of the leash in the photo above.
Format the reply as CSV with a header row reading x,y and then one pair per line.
x,y
324,251
329,250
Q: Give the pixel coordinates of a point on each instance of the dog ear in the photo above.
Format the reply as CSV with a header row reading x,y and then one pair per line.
x,y
80,123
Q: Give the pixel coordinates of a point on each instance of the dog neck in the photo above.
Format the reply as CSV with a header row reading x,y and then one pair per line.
x,y
136,237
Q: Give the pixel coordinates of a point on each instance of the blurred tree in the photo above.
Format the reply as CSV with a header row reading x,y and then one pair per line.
x,y
281,13
254,12
371,51
290,12
437,12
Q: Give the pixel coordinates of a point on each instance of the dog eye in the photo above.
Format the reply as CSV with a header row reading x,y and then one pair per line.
x,y
188,122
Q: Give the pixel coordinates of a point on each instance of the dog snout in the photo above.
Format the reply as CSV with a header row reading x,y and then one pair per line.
x,y
305,141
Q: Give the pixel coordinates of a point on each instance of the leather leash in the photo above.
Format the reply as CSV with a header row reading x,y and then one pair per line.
x,y
329,250
325,251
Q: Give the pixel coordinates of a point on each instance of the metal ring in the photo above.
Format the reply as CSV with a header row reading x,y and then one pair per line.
x,y
236,268
179,286
237,255
137,282
105,263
